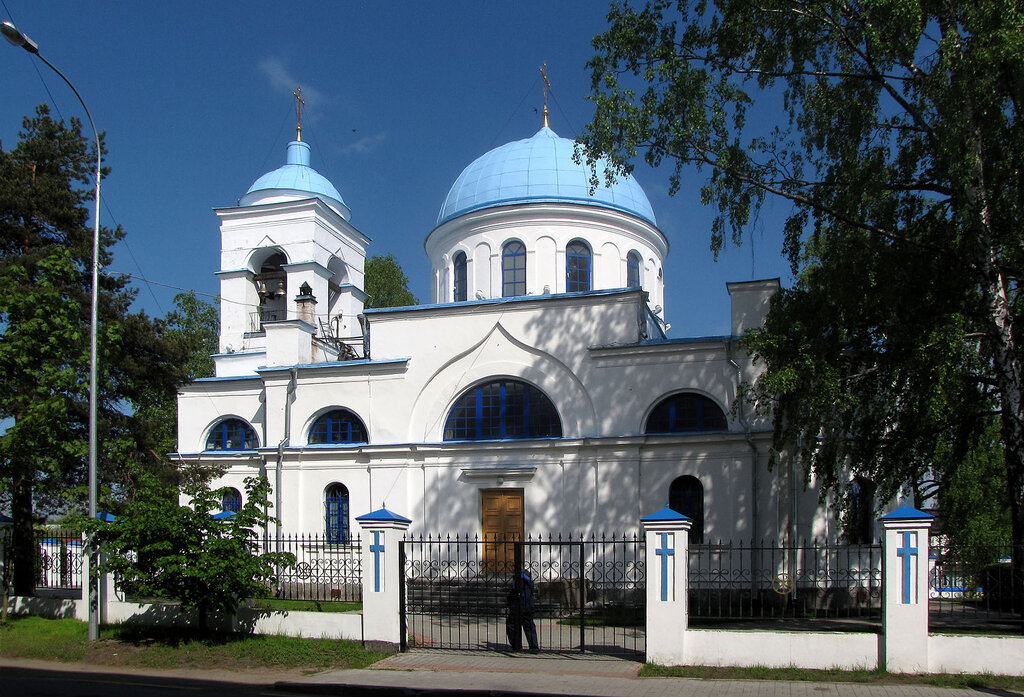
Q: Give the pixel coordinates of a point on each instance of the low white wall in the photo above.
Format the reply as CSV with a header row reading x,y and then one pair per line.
x,y
1000,655
311,625
812,650
50,608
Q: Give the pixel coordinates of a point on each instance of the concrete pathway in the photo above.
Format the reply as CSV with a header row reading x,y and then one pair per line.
x,y
497,674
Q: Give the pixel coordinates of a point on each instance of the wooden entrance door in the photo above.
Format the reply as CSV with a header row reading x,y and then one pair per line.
x,y
502,522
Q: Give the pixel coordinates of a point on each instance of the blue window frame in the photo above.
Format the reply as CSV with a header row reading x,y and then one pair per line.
x,y
502,410
684,413
232,434
459,271
513,269
338,426
686,496
633,270
336,514
230,500
577,267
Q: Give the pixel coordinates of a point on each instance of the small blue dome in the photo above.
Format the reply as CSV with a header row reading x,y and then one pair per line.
x,y
538,169
295,179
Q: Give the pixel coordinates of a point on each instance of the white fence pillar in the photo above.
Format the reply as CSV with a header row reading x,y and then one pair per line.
x,y
382,530
666,544
905,601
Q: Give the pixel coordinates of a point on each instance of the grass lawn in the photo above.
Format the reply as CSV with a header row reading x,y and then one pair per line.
x,y
876,677
135,646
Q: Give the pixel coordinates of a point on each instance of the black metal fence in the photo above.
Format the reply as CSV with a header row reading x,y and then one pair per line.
x,y
324,571
58,558
589,593
974,587
811,581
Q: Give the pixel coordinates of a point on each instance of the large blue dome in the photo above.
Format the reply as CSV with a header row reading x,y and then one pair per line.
x,y
538,169
295,179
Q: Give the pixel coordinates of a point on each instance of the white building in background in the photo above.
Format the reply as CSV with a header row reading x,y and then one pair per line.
x,y
537,393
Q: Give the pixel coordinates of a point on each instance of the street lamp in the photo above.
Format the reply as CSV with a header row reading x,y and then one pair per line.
x,y
16,38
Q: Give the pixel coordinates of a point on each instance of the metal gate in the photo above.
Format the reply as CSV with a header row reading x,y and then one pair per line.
x,y
460,593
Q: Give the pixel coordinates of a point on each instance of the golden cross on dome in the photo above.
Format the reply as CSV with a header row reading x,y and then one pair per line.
x,y
547,86
299,103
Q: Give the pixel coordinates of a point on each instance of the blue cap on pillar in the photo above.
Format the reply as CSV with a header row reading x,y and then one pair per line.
x,y
382,515
665,515
906,512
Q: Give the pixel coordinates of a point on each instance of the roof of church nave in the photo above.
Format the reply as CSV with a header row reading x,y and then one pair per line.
x,y
539,169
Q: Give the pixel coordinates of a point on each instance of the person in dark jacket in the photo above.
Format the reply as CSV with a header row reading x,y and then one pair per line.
x,y
521,606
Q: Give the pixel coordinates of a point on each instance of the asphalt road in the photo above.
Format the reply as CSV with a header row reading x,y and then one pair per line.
x,y
31,682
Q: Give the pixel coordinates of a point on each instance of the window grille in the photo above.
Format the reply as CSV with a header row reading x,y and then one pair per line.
x,y
513,270
684,413
577,267
232,434
338,426
500,410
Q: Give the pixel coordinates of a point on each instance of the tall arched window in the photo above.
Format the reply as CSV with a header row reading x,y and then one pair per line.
x,y
230,499
503,409
232,434
860,516
577,266
682,413
337,426
336,514
686,496
633,266
513,269
459,271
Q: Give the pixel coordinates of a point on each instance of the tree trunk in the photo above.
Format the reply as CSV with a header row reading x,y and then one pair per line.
x,y
23,552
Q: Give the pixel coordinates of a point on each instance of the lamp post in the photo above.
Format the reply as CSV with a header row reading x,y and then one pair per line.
x,y
17,38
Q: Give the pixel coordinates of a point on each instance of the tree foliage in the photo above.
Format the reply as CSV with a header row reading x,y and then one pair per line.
x,y
159,548
893,129
45,314
386,283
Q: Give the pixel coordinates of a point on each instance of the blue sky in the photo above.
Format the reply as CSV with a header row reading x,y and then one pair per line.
x,y
195,99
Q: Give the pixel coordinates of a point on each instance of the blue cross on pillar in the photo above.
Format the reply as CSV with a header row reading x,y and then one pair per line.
x,y
664,552
377,548
907,552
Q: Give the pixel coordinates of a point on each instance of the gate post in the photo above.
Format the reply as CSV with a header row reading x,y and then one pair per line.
x,y
383,576
905,584
666,551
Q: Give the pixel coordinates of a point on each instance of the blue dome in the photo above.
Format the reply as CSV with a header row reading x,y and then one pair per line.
x,y
295,179
538,169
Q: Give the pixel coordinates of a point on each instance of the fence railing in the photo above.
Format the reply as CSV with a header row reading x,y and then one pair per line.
x,y
324,570
815,580
973,586
58,558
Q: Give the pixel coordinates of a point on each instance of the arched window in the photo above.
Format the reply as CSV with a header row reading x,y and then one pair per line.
x,y
513,269
272,288
337,426
459,270
577,266
503,409
686,496
232,434
336,514
683,413
230,500
633,266
860,516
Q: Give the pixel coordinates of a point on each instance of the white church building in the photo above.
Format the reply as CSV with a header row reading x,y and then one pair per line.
x,y
536,394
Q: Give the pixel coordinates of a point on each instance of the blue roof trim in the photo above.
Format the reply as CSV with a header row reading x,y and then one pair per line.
x,y
106,517
551,199
383,515
906,512
330,364
665,515
223,515
227,378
